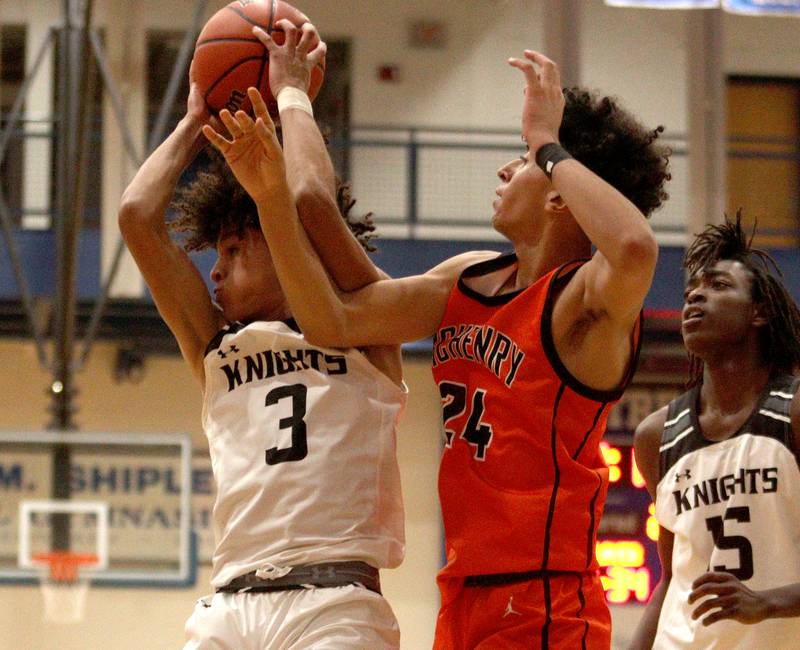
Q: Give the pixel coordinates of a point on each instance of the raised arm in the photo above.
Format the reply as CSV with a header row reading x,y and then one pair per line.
x,y
179,292
309,170
619,275
382,313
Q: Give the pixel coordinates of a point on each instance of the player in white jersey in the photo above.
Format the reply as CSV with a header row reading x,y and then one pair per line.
x,y
302,438
721,460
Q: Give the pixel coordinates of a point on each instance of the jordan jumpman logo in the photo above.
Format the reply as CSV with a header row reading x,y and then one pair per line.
x,y
510,608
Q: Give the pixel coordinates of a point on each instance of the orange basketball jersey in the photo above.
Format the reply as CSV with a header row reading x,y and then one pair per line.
x,y
522,481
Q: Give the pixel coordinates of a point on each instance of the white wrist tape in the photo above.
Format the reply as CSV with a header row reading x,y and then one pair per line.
x,y
291,97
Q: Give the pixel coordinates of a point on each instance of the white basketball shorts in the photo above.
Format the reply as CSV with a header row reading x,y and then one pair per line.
x,y
338,618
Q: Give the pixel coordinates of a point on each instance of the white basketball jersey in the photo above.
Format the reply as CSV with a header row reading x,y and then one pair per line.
x,y
733,506
302,443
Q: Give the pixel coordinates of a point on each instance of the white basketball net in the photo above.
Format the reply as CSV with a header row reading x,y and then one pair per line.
x,y
64,602
65,585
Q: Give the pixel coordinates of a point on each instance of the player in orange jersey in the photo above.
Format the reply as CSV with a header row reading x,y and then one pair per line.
x,y
531,351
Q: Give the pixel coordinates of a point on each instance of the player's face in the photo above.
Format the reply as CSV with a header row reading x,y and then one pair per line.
x,y
521,194
718,308
246,285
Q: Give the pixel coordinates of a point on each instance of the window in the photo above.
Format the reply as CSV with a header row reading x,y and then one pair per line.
x,y
163,48
12,75
763,125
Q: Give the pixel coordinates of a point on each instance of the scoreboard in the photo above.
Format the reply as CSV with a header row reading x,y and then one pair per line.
x,y
627,539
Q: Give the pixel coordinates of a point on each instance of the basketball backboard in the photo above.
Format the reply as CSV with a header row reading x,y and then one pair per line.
x,y
130,504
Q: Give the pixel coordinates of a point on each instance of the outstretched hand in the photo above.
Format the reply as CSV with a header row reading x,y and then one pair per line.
x,y
544,99
290,64
198,114
253,152
732,599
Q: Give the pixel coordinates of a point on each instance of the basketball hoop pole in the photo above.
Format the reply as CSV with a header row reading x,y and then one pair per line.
x,y
79,45
75,85
75,81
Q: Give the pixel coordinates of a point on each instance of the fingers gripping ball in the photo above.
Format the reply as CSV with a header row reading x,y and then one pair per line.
x,y
228,58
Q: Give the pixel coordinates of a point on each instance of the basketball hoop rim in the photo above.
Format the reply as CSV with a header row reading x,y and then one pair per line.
x,y
65,566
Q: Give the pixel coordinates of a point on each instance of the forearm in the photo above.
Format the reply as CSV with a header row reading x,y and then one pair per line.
x,y
611,222
308,164
151,190
313,301
388,312
782,602
645,633
311,180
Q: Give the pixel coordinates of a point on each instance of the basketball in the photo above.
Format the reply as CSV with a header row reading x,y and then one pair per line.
x,y
228,58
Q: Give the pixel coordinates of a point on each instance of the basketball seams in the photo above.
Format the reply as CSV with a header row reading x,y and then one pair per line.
x,y
222,77
227,39
243,16
232,39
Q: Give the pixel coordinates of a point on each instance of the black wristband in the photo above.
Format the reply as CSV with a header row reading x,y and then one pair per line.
x,y
549,155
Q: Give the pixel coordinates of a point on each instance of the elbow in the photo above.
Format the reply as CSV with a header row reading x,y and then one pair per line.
x,y
324,337
132,217
639,250
127,216
326,332
312,199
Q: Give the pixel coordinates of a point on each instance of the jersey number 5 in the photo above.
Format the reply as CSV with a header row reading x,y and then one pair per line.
x,y
299,449
454,403
716,525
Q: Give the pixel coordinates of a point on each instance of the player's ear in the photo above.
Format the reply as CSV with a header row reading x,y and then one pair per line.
x,y
759,319
555,204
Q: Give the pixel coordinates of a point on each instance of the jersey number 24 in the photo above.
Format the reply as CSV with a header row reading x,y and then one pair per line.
x,y
454,403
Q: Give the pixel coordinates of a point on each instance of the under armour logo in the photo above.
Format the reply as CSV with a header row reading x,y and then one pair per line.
x,y
510,608
231,350
679,475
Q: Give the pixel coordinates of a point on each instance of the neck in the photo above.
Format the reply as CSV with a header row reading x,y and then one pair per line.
x,y
733,382
274,313
538,258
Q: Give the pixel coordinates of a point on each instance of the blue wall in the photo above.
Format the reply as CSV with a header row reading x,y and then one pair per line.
x,y
397,257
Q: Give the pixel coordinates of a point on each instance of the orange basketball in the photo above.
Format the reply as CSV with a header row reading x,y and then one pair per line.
x,y
228,58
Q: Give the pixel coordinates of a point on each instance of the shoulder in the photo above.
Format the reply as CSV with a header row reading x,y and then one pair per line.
x,y
648,433
794,412
437,283
454,266
646,444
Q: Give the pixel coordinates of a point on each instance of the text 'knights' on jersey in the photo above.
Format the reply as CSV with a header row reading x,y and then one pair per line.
x,y
302,443
522,480
732,505
269,363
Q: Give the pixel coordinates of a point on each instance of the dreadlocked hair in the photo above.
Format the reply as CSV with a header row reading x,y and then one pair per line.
x,y
779,338
609,141
213,202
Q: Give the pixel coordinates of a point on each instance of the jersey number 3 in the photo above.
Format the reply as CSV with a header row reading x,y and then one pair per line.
x,y
454,403
299,449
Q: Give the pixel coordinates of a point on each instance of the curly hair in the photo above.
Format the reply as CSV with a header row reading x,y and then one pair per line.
x,y
779,338
213,202
615,146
